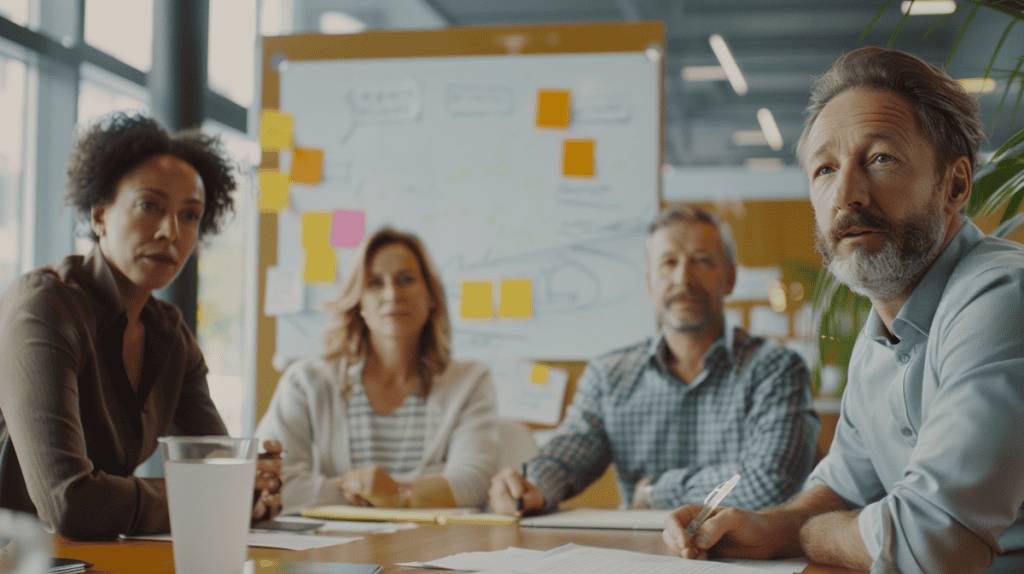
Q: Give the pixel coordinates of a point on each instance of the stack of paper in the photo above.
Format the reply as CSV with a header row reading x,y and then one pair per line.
x,y
573,558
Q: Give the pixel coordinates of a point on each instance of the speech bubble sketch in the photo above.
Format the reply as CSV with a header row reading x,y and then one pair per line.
x,y
324,131
398,101
478,101
601,109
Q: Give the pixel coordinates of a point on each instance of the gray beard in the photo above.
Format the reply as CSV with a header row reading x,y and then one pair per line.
x,y
886,275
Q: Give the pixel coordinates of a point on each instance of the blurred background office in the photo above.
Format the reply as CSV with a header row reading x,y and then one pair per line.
x,y
736,78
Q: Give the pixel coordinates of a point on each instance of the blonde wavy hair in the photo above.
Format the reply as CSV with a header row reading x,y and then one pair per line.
x,y
347,336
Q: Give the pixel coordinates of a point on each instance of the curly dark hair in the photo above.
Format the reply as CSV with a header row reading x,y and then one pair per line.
x,y
116,144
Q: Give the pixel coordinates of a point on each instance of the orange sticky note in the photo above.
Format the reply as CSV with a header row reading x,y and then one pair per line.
x,y
476,300
539,375
553,108
273,191
516,299
578,158
320,267
307,166
275,130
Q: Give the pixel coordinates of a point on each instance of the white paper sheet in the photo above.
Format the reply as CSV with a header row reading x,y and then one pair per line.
x,y
285,292
520,399
286,541
573,558
351,525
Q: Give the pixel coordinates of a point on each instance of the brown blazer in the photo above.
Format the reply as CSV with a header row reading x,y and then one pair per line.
x,y
72,429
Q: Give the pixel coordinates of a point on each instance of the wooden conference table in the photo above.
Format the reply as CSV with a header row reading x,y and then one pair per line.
x,y
428,542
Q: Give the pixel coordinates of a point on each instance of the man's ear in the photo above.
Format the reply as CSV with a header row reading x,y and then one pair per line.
x,y
730,278
96,215
960,175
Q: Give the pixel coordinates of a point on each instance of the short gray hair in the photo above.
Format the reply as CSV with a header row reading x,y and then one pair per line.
x,y
949,117
689,213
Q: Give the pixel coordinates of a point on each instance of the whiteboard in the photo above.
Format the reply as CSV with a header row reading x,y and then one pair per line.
x,y
448,148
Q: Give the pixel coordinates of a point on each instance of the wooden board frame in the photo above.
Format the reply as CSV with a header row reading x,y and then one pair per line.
x,y
468,41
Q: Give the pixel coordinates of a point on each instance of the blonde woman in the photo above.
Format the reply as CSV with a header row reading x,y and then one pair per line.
x,y
385,417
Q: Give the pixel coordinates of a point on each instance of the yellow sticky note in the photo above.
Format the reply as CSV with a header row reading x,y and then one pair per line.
x,y
273,191
476,300
516,299
275,130
321,266
539,375
307,166
553,108
578,158
316,230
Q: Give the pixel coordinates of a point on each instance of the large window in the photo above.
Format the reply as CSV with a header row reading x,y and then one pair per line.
x,y
16,11
13,83
122,29
223,261
232,63
100,93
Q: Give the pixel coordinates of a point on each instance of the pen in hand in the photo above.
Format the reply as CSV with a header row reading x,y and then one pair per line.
x,y
711,502
519,501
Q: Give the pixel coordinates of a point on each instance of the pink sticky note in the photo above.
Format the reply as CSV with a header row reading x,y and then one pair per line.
x,y
348,228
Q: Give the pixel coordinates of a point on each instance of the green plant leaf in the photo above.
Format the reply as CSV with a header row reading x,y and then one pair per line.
x,y
938,24
988,183
999,46
1012,206
896,32
874,20
1009,144
1006,227
1003,193
960,36
1009,80
998,6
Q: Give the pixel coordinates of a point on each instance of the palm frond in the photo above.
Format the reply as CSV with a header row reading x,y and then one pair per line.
x,y
874,20
960,36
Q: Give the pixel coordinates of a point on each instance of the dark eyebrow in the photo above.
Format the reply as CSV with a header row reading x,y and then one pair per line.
x,y
164,195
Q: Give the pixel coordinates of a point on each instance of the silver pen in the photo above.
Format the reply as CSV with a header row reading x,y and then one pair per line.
x,y
711,502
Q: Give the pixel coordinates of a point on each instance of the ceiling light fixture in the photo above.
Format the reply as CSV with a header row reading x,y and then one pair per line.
x,y
340,23
732,70
928,7
771,130
704,73
978,85
763,163
749,137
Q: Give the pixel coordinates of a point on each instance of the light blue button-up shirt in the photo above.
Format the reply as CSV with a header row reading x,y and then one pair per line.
x,y
930,439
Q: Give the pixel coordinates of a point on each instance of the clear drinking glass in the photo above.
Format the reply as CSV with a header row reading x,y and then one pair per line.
x,y
210,482
25,546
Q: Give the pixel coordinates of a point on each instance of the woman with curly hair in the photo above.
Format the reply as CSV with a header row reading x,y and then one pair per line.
x,y
93,368
384,417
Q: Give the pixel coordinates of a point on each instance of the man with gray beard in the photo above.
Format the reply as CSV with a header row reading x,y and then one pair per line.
x,y
687,409
926,471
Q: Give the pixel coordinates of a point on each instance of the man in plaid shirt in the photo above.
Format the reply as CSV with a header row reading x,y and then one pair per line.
x,y
686,409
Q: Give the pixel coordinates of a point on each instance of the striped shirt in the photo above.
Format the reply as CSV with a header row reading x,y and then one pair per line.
x,y
394,441
747,413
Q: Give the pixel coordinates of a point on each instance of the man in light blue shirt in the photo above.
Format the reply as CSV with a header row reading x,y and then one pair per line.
x,y
926,472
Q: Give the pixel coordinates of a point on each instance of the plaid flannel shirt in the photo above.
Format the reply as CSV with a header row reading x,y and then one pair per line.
x,y
748,412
